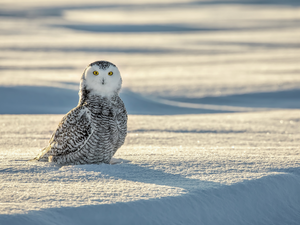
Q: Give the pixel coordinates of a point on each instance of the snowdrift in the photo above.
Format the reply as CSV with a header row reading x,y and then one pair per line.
x,y
180,169
213,108
273,199
59,100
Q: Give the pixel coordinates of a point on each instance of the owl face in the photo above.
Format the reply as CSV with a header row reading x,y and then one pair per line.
x,y
102,78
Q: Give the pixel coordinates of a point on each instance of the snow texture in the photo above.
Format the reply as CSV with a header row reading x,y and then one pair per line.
x,y
212,90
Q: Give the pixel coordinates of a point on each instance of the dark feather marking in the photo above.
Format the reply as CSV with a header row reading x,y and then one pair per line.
x,y
102,64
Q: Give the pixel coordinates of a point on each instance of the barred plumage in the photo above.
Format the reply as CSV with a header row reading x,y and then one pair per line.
x,y
93,131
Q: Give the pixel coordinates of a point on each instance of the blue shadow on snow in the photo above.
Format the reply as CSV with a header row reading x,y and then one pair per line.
x,y
54,100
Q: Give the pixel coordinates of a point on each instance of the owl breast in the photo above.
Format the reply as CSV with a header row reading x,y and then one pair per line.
x,y
109,130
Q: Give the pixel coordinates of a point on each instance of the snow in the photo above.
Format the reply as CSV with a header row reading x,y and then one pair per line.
x,y
212,90
238,168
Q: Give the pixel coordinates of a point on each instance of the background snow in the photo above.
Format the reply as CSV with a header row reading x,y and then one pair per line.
x,y
212,89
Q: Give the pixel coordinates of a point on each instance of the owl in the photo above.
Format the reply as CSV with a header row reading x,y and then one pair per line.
x,y
92,132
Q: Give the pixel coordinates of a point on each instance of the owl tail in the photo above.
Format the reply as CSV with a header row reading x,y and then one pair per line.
x,y
42,156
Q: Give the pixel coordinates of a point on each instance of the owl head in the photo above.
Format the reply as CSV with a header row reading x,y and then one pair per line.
x,y
100,78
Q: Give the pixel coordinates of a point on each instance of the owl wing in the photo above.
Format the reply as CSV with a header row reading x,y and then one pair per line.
x,y
121,123
71,134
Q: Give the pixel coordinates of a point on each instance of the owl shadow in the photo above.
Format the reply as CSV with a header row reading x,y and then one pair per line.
x,y
126,170
123,170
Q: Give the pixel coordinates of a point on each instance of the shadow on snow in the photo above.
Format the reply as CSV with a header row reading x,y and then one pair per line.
x,y
39,12
272,199
54,100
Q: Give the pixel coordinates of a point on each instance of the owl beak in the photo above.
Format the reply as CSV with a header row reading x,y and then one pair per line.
x,y
103,81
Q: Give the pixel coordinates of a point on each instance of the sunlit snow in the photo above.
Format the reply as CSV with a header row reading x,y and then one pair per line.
x,y
212,89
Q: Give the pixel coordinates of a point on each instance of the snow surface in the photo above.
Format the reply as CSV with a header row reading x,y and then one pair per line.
x,y
212,89
213,169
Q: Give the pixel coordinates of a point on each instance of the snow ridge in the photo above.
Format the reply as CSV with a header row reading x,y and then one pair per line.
x,y
273,199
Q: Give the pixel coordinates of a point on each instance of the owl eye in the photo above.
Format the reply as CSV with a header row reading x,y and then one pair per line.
x,y
96,73
110,73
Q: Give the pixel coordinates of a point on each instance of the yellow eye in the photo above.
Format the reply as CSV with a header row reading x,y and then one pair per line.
x,y
96,73
110,73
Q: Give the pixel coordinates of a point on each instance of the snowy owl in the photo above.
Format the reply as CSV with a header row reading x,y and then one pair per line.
x,y
92,132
